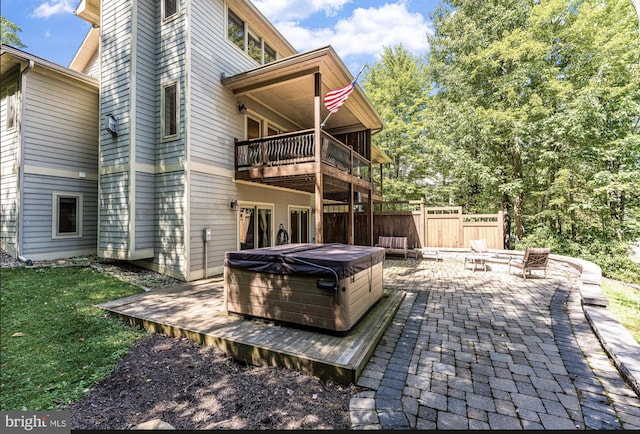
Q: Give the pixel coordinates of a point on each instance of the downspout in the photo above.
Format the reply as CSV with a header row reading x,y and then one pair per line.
x,y
23,86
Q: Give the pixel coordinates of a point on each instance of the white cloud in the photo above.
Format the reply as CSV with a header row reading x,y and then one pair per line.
x,y
365,32
288,10
46,9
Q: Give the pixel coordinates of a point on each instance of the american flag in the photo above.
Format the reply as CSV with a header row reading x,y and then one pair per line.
x,y
334,99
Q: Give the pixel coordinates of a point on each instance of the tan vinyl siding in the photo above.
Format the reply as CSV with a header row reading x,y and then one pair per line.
x,y
94,67
38,214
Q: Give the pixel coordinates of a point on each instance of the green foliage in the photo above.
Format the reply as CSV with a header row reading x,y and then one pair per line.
x,y
536,111
611,256
9,33
624,304
398,87
55,343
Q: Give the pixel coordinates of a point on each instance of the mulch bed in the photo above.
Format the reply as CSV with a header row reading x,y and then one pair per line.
x,y
193,387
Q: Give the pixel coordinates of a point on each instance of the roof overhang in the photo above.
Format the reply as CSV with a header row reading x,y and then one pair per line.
x,y
10,57
87,52
89,10
287,86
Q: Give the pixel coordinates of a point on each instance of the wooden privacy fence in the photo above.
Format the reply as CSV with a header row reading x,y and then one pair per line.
x,y
437,226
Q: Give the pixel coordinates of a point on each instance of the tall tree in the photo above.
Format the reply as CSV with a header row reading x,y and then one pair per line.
x,y
9,33
544,105
398,87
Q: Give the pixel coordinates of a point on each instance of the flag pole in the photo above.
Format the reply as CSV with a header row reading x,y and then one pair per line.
x,y
353,83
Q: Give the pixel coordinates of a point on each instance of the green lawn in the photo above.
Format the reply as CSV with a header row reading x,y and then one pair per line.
x,y
55,343
624,304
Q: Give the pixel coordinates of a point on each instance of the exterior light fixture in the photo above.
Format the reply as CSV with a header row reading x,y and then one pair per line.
x,y
233,204
242,109
112,125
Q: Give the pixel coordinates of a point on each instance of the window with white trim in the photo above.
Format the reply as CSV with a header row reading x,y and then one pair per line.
x,y
170,111
258,127
169,9
248,41
299,224
12,110
255,226
67,215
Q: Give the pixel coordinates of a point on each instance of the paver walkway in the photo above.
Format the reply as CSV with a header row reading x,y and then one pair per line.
x,y
489,350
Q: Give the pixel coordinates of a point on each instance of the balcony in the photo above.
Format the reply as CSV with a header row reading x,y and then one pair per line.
x,y
289,160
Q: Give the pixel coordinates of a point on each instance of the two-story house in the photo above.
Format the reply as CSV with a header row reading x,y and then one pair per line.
x,y
48,158
211,136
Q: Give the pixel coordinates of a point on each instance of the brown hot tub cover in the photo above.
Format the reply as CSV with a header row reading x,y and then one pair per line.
x,y
323,260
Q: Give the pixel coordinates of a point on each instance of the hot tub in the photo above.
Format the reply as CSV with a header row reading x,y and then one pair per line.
x,y
326,286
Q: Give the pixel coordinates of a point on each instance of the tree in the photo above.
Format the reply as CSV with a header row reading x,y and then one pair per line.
x,y
546,96
8,33
397,86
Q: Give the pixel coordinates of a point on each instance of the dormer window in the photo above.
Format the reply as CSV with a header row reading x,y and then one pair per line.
x,y
250,43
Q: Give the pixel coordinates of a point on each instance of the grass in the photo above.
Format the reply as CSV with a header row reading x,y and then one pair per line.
x,y
55,344
624,304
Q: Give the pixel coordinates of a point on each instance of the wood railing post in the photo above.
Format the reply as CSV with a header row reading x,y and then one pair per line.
x,y
319,193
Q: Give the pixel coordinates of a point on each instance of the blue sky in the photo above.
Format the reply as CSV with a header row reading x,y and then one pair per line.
x,y
358,30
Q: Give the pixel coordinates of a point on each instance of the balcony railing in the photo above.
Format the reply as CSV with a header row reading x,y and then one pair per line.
x,y
299,147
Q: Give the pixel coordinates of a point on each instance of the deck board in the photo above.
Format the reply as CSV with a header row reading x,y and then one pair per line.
x,y
196,310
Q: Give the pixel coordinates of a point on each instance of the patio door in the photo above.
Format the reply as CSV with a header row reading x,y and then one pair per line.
x,y
255,226
299,224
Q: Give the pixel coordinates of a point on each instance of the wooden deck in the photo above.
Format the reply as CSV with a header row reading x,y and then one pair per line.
x,y
196,310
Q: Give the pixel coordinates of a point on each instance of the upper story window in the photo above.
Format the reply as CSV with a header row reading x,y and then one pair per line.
x,y
170,111
269,54
12,112
254,128
169,9
239,33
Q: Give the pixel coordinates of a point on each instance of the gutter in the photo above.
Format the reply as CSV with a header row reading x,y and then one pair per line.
x,y
23,87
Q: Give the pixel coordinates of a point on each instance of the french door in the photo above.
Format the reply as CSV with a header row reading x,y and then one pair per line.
x,y
255,226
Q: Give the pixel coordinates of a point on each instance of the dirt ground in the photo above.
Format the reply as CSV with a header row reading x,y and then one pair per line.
x,y
193,387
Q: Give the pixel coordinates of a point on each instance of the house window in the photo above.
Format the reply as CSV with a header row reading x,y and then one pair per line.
x,y
269,54
235,29
169,9
67,215
11,107
254,128
255,48
299,224
272,131
170,115
255,226
243,37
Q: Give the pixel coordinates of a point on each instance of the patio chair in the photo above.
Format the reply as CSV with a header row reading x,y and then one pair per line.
x,y
479,254
533,259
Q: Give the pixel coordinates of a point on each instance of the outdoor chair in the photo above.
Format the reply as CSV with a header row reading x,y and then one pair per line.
x,y
533,259
479,254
